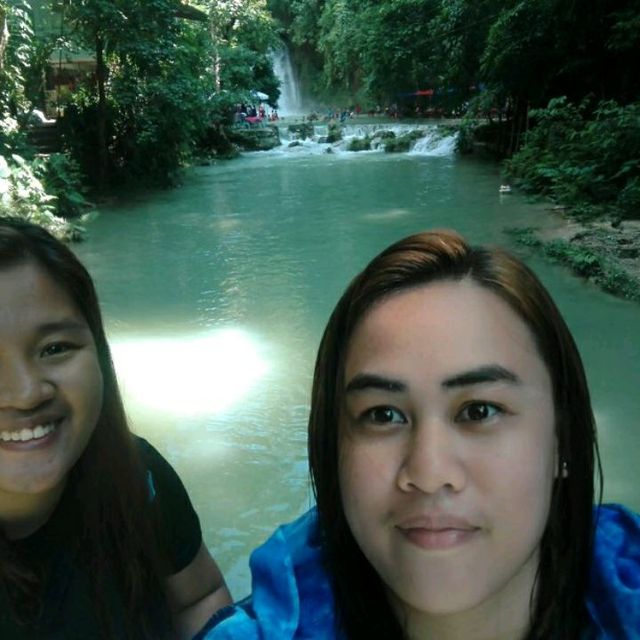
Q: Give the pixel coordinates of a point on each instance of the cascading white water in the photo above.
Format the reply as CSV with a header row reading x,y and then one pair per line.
x,y
290,102
434,141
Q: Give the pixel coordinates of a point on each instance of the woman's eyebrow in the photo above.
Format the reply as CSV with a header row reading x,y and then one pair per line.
x,y
482,375
60,326
363,381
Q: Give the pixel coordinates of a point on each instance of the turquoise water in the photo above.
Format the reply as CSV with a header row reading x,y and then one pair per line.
x,y
215,296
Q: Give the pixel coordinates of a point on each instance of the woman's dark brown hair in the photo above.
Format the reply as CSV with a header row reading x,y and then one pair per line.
x,y
558,611
118,539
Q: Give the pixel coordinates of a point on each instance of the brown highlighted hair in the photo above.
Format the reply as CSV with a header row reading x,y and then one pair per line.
x,y
117,540
558,610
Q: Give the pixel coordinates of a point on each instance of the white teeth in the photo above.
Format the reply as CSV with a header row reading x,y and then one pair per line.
x,y
24,435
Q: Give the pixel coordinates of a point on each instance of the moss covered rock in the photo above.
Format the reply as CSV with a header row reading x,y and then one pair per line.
x,y
255,139
403,143
334,132
302,130
359,144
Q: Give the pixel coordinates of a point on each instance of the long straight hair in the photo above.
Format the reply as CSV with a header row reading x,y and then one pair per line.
x,y
117,540
558,610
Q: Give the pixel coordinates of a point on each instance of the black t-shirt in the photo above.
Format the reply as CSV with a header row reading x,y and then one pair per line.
x,y
68,612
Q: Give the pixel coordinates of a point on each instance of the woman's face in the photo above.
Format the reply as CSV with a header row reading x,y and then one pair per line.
x,y
448,449
50,382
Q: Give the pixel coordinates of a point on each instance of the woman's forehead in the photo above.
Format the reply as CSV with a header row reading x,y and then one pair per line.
x,y
28,289
449,320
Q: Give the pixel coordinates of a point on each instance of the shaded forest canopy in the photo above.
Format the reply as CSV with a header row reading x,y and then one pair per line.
x,y
526,51
558,76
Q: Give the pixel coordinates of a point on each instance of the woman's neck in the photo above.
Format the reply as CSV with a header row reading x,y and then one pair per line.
x,y
21,514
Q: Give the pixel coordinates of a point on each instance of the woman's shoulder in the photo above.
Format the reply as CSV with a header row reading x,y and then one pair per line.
x,y
181,535
161,476
149,455
292,596
613,597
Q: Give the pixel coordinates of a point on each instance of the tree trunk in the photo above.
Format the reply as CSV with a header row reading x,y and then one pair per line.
x,y
101,75
4,35
215,62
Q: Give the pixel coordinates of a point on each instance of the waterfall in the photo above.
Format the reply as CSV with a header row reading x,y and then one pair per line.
x,y
290,102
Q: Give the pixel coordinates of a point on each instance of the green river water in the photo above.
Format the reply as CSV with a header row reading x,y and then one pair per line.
x,y
215,295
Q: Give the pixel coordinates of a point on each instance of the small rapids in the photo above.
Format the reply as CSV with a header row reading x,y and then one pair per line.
x,y
427,140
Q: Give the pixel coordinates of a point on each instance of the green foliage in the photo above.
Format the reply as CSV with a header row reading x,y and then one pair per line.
x,y
584,262
36,189
13,138
168,82
61,178
458,38
595,265
466,137
587,158
156,95
15,50
359,144
243,70
403,143
23,195
243,22
625,30
303,130
334,131
383,47
525,236
521,51
523,30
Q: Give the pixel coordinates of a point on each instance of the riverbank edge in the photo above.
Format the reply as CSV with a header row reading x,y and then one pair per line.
x,y
605,254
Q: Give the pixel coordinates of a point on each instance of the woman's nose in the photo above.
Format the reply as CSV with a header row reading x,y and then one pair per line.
x,y
432,462
23,386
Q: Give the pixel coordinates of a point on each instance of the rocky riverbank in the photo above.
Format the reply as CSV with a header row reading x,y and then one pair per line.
x,y
605,253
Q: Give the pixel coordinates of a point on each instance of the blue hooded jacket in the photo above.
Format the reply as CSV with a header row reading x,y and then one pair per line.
x,y
292,597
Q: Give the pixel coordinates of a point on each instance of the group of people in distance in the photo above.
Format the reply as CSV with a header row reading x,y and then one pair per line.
x,y
452,448
252,115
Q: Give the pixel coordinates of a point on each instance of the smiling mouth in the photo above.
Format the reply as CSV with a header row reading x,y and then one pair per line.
x,y
27,434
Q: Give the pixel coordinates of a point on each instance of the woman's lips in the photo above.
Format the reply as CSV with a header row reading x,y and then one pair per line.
x,y
438,532
439,539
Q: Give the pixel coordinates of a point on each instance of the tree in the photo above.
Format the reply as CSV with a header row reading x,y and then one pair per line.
x,y
151,85
16,47
243,32
162,80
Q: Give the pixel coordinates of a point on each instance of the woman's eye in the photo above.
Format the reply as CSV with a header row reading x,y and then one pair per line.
x,y
384,415
478,412
57,348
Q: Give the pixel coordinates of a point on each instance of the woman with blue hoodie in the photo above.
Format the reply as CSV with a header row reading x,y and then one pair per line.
x,y
453,449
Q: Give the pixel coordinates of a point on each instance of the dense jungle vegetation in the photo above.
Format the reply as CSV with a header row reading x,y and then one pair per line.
x,y
556,79
166,77
553,81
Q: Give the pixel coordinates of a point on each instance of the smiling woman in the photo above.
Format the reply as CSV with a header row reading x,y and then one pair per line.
x,y
98,538
452,448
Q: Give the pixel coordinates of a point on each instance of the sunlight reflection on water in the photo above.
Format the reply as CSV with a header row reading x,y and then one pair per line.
x,y
187,375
